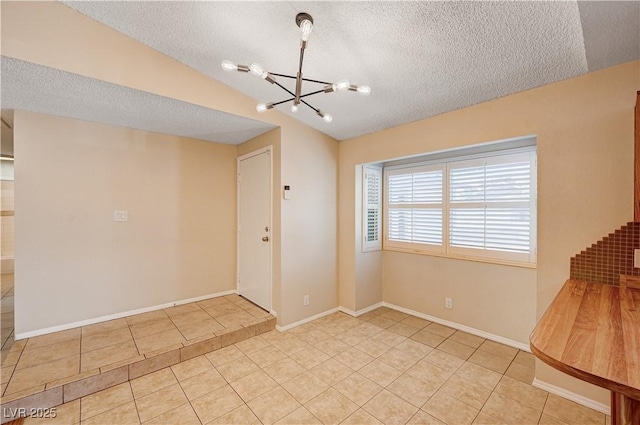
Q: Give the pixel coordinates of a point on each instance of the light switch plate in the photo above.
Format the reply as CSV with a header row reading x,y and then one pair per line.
x,y
120,216
636,258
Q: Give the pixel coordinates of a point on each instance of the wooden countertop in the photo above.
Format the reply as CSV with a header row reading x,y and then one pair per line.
x,y
590,333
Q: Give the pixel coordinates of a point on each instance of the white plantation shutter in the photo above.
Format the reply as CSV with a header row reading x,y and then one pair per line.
x,y
483,207
491,201
414,207
372,208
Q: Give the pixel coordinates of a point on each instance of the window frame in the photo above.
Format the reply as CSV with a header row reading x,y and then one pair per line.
x,y
446,250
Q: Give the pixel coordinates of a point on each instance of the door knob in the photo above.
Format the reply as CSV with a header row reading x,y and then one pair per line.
x,y
265,239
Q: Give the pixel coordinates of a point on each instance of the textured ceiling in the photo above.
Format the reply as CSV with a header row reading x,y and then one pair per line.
x,y
611,32
420,58
37,88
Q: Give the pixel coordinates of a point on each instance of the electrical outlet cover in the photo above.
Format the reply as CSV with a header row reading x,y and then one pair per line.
x,y
120,216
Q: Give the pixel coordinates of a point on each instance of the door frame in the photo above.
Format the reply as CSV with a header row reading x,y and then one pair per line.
x,y
269,151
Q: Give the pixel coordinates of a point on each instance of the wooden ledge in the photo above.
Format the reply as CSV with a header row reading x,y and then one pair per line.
x,y
590,332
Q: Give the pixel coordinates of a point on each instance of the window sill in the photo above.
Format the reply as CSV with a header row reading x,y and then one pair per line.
x,y
463,257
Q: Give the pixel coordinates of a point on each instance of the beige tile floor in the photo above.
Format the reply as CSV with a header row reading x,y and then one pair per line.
x,y
30,364
384,367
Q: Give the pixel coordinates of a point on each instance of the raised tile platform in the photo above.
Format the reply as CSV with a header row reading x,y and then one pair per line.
x,y
56,368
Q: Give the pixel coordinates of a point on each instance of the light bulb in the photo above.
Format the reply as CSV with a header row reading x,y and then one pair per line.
x,y
364,90
326,117
294,108
306,27
262,107
257,70
342,85
229,66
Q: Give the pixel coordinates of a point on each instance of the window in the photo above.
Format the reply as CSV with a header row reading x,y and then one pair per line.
x,y
372,208
481,207
415,207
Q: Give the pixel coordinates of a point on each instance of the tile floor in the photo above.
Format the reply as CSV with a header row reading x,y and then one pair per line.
x,y
383,367
6,310
29,365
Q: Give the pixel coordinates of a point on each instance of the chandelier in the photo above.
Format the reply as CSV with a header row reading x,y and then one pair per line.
x,y
305,23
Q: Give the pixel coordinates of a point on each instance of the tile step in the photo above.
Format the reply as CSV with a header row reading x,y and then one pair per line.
x,y
81,385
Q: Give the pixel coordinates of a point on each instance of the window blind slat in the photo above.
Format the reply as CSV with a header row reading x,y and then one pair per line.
x,y
508,229
400,189
400,225
427,187
427,226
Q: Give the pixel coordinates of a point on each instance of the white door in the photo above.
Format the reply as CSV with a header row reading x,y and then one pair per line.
x,y
254,228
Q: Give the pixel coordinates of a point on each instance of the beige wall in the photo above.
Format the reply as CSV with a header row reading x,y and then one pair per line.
x,y
309,224
52,34
73,262
489,297
584,128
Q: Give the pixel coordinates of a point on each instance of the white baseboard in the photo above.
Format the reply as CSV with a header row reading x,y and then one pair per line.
x,y
347,311
307,320
473,331
326,313
361,311
467,329
587,402
66,326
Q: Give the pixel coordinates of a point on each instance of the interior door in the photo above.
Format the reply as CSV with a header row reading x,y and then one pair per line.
x,y
254,228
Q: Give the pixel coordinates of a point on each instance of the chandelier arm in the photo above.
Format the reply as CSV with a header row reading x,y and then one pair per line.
x,y
312,93
315,109
286,89
316,81
283,101
304,79
283,75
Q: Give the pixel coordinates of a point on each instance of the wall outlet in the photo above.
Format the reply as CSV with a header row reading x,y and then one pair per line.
x,y
120,216
636,258
306,300
448,303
